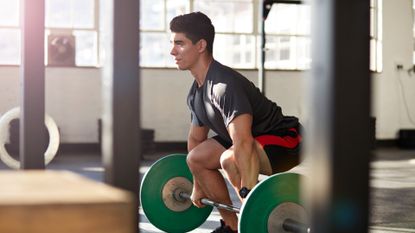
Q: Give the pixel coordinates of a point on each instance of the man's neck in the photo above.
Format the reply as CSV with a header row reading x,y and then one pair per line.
x,y
199,72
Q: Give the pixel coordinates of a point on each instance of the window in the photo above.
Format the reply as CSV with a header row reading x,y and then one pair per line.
x,y
237,41
9,32
376,35
62,17
287,31
77,18
413,30
155,16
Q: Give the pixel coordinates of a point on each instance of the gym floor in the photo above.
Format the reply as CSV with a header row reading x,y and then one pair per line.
x,y
392,187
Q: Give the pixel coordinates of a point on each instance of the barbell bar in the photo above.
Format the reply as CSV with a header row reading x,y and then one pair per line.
x,y
273,205
289,224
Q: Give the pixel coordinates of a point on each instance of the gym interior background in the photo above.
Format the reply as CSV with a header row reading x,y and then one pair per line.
x,y
73,92
73,72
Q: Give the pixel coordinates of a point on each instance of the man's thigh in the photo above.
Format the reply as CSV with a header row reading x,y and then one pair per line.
x,y
282,149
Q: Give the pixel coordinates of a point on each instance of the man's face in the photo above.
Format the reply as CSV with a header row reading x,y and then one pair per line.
x,y
184,51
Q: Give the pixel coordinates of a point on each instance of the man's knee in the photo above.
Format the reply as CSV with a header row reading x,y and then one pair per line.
x,y
227,160
192,159
205,155
197,157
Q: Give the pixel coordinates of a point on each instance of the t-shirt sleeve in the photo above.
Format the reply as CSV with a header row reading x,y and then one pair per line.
x,y
194,120
231,100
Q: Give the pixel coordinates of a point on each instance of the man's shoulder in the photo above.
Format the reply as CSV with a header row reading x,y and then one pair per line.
x,y
220,72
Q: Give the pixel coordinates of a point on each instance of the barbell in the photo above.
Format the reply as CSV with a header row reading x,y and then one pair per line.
x,y
273,205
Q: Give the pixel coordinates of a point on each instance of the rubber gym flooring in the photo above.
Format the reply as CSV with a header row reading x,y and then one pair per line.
x,y
392,187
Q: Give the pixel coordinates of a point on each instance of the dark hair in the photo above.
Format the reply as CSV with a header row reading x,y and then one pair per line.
x,y
195,26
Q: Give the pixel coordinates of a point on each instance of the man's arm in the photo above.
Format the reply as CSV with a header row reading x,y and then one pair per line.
x,y
197,134
246,157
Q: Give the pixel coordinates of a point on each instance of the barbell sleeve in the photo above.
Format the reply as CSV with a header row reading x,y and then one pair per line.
x,y
292,225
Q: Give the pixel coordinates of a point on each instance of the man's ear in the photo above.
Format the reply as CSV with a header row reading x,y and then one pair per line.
x,y
202,45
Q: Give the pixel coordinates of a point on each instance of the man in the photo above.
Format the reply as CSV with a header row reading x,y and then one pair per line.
x,y
253,136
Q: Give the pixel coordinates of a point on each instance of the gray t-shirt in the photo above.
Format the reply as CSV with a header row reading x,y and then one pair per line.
x,y
227,94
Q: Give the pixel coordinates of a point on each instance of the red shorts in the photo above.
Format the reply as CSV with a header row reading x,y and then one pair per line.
x,y
282,148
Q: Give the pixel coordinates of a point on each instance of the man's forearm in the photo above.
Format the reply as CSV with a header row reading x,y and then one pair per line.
x,y
247,164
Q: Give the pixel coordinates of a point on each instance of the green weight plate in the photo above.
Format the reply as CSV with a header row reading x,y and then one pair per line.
x,y
152,202
278,192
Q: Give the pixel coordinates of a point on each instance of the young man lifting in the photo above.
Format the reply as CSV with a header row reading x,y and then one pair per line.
x,y
252,134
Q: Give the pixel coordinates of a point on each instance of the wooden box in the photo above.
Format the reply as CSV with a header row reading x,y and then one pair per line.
x,y
62,202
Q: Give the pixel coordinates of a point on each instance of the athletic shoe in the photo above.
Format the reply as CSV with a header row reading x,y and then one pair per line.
x,y
224,228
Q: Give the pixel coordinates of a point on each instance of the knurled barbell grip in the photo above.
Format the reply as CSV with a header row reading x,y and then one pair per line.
x,y
206,201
